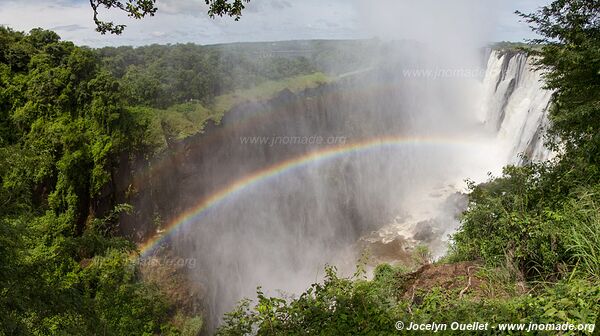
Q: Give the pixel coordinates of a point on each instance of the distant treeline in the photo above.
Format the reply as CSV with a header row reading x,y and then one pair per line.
x,y
160,76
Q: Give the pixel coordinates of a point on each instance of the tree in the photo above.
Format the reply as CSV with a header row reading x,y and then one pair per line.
x,y
570,53
139,9
64,126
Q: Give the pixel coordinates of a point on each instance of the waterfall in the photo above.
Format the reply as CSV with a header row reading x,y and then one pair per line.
x,y
516,105
514,115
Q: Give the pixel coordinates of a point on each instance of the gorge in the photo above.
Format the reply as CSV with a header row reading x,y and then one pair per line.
x,y
367,168
255,205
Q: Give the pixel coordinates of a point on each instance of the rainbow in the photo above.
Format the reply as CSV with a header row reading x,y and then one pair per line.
x,y
194,214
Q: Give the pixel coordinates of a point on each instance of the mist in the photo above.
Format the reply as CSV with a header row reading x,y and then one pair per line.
x,y
423,82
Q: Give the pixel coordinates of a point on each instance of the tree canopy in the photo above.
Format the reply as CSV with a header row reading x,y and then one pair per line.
x,y
570,54
64,127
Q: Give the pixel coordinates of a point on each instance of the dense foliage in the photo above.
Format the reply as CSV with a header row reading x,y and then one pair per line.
x,y
536,228
160,76
63,125
356,306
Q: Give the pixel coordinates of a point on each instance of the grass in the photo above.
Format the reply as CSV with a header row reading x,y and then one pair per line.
x,y
584,240
268,90
183,120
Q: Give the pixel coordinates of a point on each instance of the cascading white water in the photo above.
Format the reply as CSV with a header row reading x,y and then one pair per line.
x,y
513,112
516,105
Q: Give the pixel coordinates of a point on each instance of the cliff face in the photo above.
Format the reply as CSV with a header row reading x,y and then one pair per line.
x,y
249,138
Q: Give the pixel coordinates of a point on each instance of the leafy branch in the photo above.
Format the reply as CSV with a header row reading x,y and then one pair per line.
x,y
139,9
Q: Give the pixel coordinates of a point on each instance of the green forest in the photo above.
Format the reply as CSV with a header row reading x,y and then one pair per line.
x,y
70,116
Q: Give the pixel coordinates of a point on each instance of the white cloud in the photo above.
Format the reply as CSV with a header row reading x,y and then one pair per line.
x,y
68,28
186,7
186,21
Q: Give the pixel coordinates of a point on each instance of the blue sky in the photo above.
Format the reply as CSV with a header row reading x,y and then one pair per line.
x,y
268,20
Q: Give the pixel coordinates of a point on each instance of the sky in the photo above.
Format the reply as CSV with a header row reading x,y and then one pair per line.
x,y
182,21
